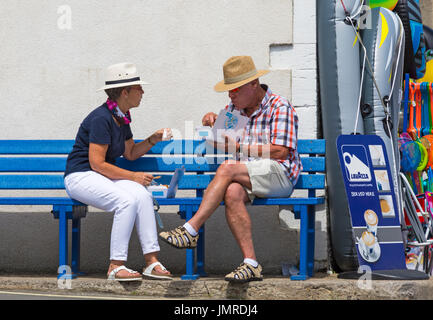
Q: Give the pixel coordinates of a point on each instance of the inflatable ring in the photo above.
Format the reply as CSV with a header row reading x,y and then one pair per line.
x,y
428,146
429,137
389,4
424,157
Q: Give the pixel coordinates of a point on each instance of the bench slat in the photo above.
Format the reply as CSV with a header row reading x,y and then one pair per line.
x,y
199,181
305,146
180,147
256,201
39,201
288,201
33,164
65,146
170,163
36,146
316,146
36,181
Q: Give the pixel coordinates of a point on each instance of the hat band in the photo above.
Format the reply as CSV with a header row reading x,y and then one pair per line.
x,y
240,77
122,81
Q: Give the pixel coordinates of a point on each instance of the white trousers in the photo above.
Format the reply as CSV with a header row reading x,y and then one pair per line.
x,y
130,202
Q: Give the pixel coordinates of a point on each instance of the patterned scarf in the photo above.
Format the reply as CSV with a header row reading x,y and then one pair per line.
x,y
117,113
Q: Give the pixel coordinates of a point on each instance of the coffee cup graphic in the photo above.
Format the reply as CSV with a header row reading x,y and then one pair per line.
x,y
387,206
369,244
368,247
371,221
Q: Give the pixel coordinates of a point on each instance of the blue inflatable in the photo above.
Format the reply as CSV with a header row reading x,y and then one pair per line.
x,y
410,15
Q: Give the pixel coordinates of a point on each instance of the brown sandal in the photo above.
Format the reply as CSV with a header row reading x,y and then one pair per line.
x,y
179,238
244,273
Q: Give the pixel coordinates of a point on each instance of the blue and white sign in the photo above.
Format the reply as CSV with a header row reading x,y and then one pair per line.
x,y
372,202
356,163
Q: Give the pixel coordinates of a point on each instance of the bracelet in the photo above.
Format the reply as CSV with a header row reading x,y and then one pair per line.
x,y
150,142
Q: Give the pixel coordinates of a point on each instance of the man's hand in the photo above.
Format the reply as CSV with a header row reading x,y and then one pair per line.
x,y
230,144
209,119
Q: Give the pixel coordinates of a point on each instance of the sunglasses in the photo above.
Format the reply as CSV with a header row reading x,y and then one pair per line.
x,y
137,87
239,88
234,90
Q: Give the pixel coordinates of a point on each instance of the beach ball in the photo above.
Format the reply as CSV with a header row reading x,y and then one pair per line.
x,y
389,4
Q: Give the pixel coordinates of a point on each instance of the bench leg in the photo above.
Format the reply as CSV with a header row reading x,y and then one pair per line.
x,y
201,253
307,238
311,239
63,238
75,259
190,256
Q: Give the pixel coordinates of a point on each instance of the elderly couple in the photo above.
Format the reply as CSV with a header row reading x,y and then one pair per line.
x,y
92,177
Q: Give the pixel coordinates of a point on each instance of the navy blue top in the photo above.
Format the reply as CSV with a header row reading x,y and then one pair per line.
x,y
98,127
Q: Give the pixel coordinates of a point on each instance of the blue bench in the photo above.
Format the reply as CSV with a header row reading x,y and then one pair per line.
x,y
39,164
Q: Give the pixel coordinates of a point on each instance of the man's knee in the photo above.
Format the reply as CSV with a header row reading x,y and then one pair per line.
x,y
227,168
235,193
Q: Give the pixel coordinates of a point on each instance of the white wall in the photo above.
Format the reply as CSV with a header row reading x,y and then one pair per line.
x,y
49,75
53,57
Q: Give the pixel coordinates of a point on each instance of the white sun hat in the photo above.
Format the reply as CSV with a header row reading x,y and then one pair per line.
x,y
121,75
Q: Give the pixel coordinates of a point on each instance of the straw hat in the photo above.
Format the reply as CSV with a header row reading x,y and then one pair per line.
x,y
121,75
238,71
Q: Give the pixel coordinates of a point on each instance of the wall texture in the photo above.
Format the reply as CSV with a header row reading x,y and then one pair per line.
x,y
427,12
54,54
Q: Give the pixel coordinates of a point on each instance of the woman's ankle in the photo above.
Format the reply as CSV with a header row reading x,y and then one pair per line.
x,y
150,258
115,264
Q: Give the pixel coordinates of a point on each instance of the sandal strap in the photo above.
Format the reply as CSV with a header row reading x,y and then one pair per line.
x,y
113,273
179,236
150,268
116,270
245,272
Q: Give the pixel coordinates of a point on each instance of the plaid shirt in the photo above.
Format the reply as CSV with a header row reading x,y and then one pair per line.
x,y
275,122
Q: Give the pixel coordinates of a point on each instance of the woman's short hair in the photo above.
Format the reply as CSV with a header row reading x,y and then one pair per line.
x,y
114,93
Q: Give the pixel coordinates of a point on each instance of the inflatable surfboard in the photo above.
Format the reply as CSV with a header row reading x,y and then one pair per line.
x,y
339,74
382,90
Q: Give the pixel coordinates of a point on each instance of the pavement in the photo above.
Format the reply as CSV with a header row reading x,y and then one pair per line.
x,y
322,286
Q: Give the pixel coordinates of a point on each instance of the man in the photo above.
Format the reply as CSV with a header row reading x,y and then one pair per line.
x,y
270,168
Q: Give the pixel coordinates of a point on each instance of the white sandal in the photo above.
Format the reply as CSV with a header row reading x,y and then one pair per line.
x,y
112,274
150,273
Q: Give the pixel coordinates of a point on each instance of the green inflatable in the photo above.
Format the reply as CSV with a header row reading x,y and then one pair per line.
x,y
389,4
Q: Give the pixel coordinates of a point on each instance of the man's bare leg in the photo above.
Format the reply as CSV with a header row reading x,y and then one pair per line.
x,y
227,173
239,219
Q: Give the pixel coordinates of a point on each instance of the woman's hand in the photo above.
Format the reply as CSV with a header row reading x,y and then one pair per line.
x,y
142,178
160,136
209,119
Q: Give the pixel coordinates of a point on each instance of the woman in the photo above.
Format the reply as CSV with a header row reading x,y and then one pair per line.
x,y
92,177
